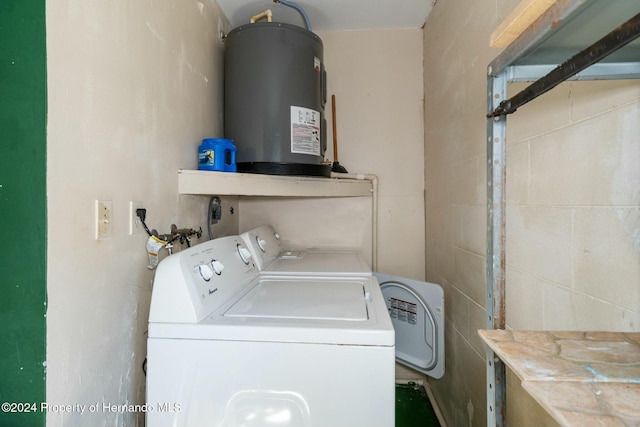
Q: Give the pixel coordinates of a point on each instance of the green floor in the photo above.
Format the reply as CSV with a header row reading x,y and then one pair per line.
x,y
413,408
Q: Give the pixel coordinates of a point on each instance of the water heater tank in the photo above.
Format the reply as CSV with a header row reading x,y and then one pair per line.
x,y
275,92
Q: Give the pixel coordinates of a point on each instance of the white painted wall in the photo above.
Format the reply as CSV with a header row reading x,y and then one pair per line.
x,y
573,206
376,77
133,86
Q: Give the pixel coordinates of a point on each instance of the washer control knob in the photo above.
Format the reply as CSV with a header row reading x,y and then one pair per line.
x,y
205,271
262,244
217,267
276,235
244,253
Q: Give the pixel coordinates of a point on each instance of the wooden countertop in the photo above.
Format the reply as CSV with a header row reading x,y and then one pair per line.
x,y
580,378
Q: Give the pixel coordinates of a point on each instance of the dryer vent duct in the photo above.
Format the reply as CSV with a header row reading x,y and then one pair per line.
x,y
275,92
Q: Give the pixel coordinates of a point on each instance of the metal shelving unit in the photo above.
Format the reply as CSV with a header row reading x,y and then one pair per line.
x,y
572,40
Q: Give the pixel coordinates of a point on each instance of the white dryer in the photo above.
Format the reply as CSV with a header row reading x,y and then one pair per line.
x,y
416,308
228,347
271,256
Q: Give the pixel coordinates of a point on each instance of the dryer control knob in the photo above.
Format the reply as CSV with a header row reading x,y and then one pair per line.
x,y
205,271
245,254
262,244
217,267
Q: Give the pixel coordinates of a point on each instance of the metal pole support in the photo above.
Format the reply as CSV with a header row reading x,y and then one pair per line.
x,y
495,255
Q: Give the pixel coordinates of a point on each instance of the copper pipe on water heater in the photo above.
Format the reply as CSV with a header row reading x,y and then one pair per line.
x,y
266,14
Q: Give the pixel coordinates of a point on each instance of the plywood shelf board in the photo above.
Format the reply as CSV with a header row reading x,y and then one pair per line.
x,y
518,21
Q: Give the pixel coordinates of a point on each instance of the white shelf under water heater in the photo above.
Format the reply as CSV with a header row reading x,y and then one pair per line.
x,y
196,182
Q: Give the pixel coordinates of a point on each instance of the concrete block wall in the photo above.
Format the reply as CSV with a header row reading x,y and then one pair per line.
x,y
573,216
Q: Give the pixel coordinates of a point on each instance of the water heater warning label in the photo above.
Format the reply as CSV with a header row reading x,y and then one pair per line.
x,y
305,131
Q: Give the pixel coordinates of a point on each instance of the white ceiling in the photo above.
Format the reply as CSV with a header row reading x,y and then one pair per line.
x,y
326,15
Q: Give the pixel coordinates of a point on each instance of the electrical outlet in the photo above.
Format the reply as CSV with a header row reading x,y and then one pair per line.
x,y
135,225
104,225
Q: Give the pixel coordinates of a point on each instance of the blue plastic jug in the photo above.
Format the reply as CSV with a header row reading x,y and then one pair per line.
x,y
217,154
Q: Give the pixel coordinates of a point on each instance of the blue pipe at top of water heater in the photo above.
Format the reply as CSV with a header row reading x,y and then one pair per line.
x,y
299,8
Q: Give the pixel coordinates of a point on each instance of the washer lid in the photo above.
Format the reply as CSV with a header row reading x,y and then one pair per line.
x,y
319,309
314,300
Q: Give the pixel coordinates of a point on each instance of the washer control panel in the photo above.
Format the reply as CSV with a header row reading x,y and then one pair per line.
x,y
191,284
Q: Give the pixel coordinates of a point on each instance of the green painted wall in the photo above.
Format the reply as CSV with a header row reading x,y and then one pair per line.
x,y
23,208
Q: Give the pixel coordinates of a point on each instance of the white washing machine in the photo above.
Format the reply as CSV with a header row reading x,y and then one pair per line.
x,y
416,308
271,256
228,347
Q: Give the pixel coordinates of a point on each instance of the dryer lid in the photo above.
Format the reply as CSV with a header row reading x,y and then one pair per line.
x,y
319,261
417,314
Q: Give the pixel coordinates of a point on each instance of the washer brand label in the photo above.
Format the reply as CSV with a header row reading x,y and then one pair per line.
x,y
403,311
